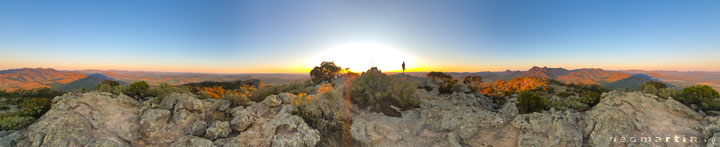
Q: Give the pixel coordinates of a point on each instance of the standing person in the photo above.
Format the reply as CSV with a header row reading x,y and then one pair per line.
x,y
403,66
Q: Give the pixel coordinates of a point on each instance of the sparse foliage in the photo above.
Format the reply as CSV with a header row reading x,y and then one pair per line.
x,y
529,101
380,92
35,107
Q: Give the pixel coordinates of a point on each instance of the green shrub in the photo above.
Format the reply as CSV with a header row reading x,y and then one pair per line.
x,y
591,98
529,102
650,89
105,88
15,122
380,91
667,93
138,89
701,95
34,107
119,90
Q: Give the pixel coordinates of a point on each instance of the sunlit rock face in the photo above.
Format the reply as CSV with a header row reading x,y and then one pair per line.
x,y
103,119
621,119
457,119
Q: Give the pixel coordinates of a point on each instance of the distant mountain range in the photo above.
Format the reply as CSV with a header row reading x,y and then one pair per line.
x,y
608,79
30,78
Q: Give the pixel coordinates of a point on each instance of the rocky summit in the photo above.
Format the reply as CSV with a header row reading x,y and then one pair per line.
x,y
457,119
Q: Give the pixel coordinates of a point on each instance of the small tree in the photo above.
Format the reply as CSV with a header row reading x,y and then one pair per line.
x,y
325,72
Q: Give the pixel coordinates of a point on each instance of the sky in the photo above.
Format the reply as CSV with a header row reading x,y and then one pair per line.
x,y
290,36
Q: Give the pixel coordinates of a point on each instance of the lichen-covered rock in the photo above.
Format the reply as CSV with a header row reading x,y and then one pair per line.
x,y
219,129
242,120
272,127
198,128
192,141
636,114
152,124
80,119
287,97
272,101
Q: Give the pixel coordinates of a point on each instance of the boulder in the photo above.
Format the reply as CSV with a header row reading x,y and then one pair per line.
x,y
635,115
86,119
242,120
219,129
272,101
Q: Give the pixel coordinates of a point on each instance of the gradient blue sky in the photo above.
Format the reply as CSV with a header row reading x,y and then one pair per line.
x,y
286,36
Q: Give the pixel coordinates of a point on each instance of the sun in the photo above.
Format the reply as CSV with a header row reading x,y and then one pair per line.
x,y
359,57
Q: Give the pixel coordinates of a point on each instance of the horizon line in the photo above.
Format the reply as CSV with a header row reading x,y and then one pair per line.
x,y
220,73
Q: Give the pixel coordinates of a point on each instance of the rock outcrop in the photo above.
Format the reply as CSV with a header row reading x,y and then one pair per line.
x,y
458,119
619,115
103,119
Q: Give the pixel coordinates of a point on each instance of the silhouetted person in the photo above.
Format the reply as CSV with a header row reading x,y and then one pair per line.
x,y
403,66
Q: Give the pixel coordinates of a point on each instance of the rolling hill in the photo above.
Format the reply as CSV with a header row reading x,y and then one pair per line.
x,y
89,82
29,78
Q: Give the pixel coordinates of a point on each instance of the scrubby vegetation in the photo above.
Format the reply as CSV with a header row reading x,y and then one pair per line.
x,y
381,92
31,104
530,101
447,82
701,95
138,89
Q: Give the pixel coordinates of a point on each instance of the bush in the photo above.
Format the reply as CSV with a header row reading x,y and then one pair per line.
x,y
529,102
701,95
13,122
105,88
473,81
294,88
591,98
325,72
650,89
138,89
446,81
667,93
34,107
381,91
